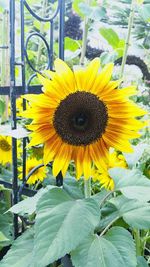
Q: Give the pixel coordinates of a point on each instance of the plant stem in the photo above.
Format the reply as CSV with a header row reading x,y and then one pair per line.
x,y
130,24
87,188
4,61
104,199
137,239
84,39
108,226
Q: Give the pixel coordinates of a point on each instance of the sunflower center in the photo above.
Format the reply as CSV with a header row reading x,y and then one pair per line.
x,y
80,121
4,145
80,118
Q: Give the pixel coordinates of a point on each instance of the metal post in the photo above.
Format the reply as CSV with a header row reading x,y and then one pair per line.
x,y
13,111
61,29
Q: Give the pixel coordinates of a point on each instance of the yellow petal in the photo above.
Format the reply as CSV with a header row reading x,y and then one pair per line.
x,y
78,158
91,74
62,158
41,100
51,149
103,78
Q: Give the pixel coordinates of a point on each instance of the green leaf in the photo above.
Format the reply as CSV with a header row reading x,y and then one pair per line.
x,y
85,9
24,207
107,57
3,238
141,262
71,44
6,227
20,254
111,36
135,213
61,224
133,158
72,187
131,183
144,11
124,243
69,55
99,197
100,251
75,6
2,106
98,13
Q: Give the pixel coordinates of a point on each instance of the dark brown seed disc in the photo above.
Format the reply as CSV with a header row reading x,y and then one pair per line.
x,y
4,145
80,119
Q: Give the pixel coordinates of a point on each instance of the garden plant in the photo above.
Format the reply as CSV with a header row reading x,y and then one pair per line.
x,y
74,142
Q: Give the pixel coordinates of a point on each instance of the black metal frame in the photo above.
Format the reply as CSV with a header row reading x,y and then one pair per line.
x,y
13,90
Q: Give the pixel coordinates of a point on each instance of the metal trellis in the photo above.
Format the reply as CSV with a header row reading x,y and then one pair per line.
x,y
25,87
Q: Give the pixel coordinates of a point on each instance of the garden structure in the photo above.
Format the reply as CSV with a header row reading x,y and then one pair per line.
x,y
74,120
14,90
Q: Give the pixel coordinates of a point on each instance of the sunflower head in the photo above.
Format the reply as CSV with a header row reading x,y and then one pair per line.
x,y
115,159
5,149
80,115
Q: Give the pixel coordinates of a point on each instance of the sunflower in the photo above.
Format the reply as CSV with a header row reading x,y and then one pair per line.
x,y
6,149
38,175
19,107
80,115
115,160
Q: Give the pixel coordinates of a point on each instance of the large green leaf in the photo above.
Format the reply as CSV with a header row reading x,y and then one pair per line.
x,y
73,188
6,229
124,243
141,262
61,224
24,207
135,213
131,183
101,196
20,254
133,158
115,249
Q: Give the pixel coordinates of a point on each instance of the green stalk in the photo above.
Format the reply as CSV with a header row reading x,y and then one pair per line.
x,y
39,52
4,61
137,238
87,183
87,188
109,225
130,24
85,34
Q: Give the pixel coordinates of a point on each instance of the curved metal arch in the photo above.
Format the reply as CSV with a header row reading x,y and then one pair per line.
x,y
40,18
29,174
29,81
26,48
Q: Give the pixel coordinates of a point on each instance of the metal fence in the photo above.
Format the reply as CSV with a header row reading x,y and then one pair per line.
x,y
25,87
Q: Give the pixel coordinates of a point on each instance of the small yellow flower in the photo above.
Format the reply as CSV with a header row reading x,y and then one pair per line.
x,y
38,175
19,107
6,149
115,160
